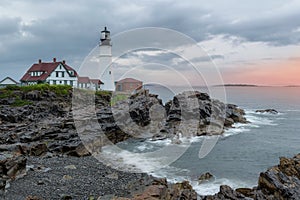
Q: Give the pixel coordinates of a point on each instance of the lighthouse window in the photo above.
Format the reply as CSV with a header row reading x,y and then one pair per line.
x,y
109,72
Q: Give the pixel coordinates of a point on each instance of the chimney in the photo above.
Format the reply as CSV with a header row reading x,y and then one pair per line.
x,y
54,59
40,61
64,62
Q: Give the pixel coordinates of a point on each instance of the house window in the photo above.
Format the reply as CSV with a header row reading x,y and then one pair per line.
x,y
62,74
66,82
54,82
60,82
57,74
59,66
71,83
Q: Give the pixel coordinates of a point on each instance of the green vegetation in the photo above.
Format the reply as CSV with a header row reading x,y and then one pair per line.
x,y
118,97
103,93
57,89
5,94
20,102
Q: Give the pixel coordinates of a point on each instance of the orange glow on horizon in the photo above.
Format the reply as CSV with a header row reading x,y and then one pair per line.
x,y
273,73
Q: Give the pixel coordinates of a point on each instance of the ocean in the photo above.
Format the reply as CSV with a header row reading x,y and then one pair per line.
x,y
241,153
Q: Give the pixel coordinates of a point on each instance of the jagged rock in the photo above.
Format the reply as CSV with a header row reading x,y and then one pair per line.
x,y
11,168
196,114
38,149
205,177
280,182
270,111
248,192
33,95
225,193
161,190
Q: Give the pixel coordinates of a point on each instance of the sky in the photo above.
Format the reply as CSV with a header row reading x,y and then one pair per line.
x,y
253,42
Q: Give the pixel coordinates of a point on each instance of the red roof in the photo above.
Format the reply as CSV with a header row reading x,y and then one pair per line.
x,y
83,79
129,80
88,80
96,81
47,68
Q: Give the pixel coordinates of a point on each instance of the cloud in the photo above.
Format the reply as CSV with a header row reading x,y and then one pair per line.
x,y
30,30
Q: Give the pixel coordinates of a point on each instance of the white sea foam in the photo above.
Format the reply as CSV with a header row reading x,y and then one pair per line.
x,y
144,146
260,119
213,187
235,131
128,161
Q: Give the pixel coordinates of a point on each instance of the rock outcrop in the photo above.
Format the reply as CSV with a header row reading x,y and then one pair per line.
x,y
160,189
270,111
281,182
205,177
193,113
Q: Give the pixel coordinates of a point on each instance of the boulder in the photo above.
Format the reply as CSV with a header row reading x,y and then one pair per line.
x,y
11,168
205,177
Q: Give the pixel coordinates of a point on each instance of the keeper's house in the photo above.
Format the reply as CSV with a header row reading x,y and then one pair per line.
x,y
53,73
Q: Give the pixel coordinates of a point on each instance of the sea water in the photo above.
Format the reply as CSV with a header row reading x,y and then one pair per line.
x,y
241,153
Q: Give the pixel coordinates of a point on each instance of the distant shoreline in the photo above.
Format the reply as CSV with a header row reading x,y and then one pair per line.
x,y
237,85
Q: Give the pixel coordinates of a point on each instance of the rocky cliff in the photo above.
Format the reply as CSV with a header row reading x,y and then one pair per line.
x,y
38,121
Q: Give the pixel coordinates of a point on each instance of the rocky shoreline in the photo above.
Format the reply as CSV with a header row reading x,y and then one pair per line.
x,y
42,153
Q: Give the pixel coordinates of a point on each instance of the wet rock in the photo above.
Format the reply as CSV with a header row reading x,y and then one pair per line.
x,y
226,192
205,177
270,111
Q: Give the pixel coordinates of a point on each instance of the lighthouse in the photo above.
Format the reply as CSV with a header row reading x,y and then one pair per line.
x,y
105,59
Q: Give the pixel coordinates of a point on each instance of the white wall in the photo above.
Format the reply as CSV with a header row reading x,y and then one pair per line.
x,y
60,80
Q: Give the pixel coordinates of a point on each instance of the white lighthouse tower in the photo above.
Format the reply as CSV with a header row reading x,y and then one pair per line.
x,y
105,60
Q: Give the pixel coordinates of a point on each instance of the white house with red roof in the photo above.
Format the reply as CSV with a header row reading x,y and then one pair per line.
x,y
53,73
87,83
58,73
